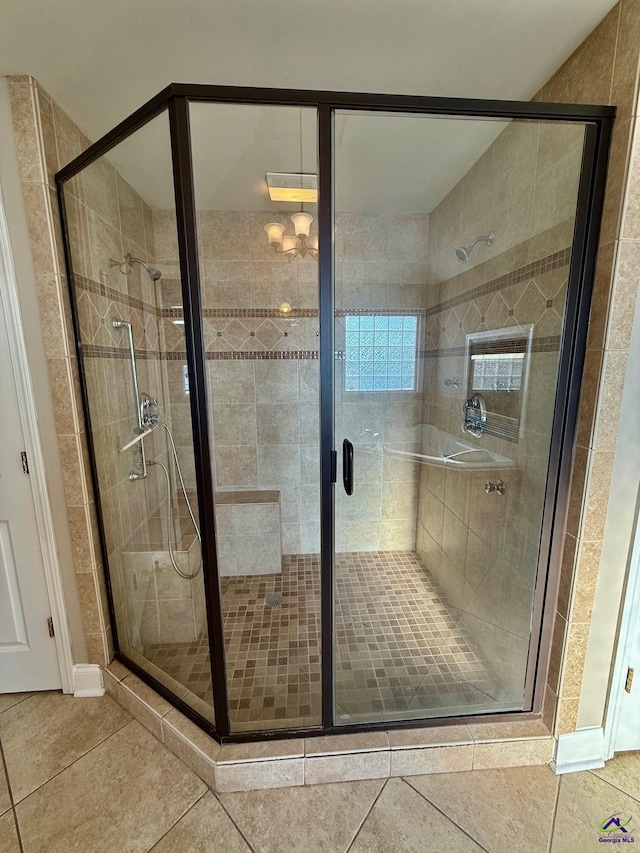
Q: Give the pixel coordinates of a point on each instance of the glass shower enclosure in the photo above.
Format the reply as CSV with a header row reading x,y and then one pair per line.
x,y
330,348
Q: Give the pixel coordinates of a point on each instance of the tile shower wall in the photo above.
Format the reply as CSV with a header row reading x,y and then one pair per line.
x,y
381,267
263,368
482,548
107,220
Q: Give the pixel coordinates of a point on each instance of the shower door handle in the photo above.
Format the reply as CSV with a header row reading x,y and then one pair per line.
x,y
347,466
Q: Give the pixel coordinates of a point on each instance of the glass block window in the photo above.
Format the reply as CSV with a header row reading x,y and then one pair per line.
x,y
381,352
497,371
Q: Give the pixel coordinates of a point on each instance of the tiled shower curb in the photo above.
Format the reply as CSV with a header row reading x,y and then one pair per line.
x,y
334,758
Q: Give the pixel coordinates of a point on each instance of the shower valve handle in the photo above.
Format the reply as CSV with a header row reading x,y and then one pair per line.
x,y
498,487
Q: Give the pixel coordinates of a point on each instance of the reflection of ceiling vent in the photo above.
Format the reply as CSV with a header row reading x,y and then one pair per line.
x,y
289,186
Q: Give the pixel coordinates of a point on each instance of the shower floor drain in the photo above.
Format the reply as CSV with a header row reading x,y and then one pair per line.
x,y
273,600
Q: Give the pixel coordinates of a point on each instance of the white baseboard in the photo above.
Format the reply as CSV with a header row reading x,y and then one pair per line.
x,y
87,679
581,750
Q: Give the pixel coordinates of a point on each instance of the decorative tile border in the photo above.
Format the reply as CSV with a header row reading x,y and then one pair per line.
x,y
546,344
98,351
555,261
333,758
551,262
84,283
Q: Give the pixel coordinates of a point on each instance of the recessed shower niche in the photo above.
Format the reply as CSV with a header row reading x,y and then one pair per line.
x,y
329,348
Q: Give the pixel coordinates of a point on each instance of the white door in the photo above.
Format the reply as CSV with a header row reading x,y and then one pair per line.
x,y
624,703
28,657
628,735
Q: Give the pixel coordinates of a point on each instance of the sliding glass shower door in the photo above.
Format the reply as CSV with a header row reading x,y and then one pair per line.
x,y
453,240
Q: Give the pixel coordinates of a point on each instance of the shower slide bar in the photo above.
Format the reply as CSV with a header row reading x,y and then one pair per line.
x,y
117,323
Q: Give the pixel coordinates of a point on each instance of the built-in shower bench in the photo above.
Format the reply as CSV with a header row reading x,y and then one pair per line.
x,y
249,532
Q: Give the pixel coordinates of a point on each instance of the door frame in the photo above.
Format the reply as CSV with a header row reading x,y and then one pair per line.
x,y
175,100
37,472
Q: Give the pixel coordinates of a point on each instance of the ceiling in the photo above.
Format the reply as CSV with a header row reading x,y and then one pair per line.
x,y
383,163
101,60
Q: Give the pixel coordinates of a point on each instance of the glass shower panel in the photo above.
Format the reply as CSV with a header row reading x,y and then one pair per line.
x,y
126,285
255,184
453,241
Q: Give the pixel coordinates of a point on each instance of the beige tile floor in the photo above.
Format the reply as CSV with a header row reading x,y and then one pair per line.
x,y
81,774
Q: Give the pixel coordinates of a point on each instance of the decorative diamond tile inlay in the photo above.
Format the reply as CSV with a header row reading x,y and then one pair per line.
x,y
268,334
235,333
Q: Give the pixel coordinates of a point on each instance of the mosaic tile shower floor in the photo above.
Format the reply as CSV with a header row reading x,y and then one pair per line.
x,y
399,651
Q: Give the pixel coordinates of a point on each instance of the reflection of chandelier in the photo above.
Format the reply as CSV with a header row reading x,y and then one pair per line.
x,y
302,244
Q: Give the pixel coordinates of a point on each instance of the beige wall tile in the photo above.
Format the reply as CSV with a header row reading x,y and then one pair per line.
x,y
589,397
24,122
566,575
624,296
97,651
89,602
241,753
631,215
36,198
577,489
597,495
588,566
140,710
432,736
616,180
111,685
609,404
346,743
435,759
345,768
513,754
587,75
576,651
601,296
549,706
487,732
283,773
567,716
557,654
625,72
45,107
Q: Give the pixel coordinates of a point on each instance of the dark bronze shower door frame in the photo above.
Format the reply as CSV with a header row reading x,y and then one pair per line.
x,y
175,99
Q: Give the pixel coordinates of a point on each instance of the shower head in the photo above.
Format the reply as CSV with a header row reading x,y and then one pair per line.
x,y
463,253
154,274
